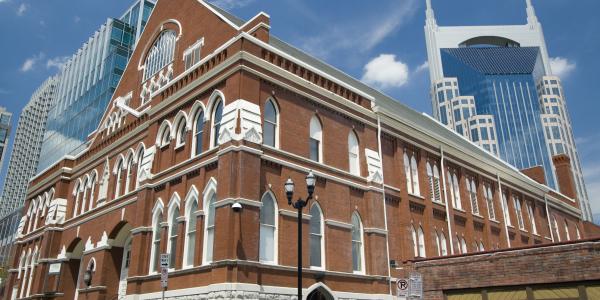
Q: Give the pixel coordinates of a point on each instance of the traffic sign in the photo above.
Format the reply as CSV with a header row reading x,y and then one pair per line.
x,y
402,287
164,269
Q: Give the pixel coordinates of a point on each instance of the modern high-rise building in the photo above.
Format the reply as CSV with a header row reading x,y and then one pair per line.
x,y
26,147
88,81
5,117
494,86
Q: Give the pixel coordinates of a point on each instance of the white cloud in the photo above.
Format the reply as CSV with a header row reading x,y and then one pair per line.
x,y
385,71
22,9
357,34
561,66
31,62
57,62
422,67
231,4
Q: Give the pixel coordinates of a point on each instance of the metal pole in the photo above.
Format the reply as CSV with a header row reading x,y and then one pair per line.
x,y
300,249
163,294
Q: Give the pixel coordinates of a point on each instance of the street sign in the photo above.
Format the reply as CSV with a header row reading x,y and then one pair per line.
x,y
416,285
402,287
164,269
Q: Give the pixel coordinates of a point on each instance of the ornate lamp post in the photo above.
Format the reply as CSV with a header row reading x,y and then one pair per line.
x,y
299,205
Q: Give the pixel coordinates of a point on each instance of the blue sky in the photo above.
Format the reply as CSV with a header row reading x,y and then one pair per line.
x,y
38,35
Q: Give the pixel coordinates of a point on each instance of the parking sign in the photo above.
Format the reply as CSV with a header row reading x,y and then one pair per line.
x,y
164,269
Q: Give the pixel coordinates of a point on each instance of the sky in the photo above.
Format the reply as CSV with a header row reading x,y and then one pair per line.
x,y
380,42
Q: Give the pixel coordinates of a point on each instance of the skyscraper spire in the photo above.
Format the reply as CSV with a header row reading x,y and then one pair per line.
x,y
531,18
430,16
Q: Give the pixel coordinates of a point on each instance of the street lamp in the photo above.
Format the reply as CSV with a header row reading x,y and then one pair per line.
x,y
299,205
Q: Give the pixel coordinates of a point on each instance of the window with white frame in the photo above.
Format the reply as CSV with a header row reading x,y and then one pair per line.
x,y
181,133
316,140
140,162
173,230
577,232
567,234
129,173
92,190
440,239
156,237
454,189
531,215
555,229
198,132
463,246
433,177
164,137
418,241
160,54
190,231
209,227
191,56
268,229
317,247
84,189
353,153
270,130
519,212
118,175
358,252
411,169
217,116
505,209
472,189
489,199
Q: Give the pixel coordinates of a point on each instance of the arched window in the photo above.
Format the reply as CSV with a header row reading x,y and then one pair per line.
x,y
76,196
463,246
418,241
191,204
161,53
531,215
555,229
443,244
455,190
412,172
173,228
577,232
84,190
118,174
358,251
489,198
438,243
156,237
317,247
268,229
181,132
567,234
519,213
164,135
505,210
210,198
270,130
353,153
217,116
128,173
472,189
481,247
93,181
433,176
316,140
140,162
198,131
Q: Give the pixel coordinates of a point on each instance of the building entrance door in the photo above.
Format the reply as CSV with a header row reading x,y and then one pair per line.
x,y
319,294
124,269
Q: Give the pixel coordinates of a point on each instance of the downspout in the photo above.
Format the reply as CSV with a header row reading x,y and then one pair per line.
x,y
504,209
387,241
446,200
548,217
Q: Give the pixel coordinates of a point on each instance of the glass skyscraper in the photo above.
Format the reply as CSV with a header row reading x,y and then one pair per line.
x,y
494,86
5,117
87,83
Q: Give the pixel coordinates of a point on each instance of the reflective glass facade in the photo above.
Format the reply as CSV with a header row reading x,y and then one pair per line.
x,y
503,82
5,117
88,82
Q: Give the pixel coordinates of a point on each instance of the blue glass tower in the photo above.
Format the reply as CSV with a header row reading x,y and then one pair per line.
x,y
503,83
87,83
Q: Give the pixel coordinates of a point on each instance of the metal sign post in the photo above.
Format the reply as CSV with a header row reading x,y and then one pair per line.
x,y
164,272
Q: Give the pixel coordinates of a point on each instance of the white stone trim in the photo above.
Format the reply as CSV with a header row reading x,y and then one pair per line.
x,y
243,201
293,214
376,231
335,223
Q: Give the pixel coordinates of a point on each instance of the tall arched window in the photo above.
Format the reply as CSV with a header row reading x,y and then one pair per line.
x,y
173,230
129,173
418,241
577,232
317,247
181,132
84,190
76,194
519,212
93,181
191,204
161,53
156,237
463,246
353,153
567,234
268,229
25,273
198,131
489,198
316,140
433,176
555,229
454,190
217,116
412,172
140,162
210,197
505,210
472,189
358,251
118,174
164,135
443,243
270,130
531,215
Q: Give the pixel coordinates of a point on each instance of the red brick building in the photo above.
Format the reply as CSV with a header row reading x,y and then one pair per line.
x,y
213,111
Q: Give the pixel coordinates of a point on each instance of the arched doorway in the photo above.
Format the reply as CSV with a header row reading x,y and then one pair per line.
x,y
71,275
125,262
319,294
121,252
